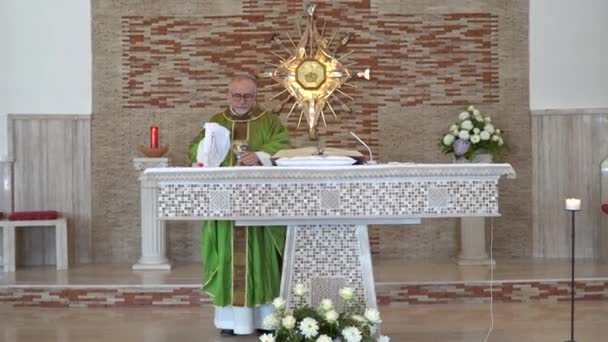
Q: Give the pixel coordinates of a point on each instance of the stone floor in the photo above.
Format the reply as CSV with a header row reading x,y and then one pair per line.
x,y
386,271
419,323
533,321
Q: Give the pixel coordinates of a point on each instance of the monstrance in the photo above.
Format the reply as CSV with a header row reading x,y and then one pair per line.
x,y
312,74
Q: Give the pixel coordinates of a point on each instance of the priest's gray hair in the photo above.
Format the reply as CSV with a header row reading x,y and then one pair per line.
x,y
244,77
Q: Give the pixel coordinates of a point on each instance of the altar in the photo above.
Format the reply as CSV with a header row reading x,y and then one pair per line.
x,y
326,209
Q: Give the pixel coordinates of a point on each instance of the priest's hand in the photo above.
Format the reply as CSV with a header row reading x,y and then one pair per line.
x,y
249,159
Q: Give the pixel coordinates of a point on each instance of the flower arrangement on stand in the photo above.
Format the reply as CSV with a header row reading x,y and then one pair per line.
x,y
324,323
473,133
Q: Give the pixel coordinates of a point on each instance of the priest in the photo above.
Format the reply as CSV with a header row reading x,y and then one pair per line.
x,y
242,265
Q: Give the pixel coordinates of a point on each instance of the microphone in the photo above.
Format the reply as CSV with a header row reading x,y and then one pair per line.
x,y
369,150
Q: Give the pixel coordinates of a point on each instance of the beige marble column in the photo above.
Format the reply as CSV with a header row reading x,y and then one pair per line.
x,y
473,242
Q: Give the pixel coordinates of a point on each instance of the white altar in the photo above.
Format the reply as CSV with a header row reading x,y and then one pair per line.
x,y
326,209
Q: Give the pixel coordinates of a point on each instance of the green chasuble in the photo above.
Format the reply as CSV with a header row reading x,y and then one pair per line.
x,y
242,265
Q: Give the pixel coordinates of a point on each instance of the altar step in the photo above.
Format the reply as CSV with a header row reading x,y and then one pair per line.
x,y
548,291
410,282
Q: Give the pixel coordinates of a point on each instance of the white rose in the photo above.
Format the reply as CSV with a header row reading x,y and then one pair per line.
x,y
484,135
326,305
384,339
495,137
476,112
475,138
487,119
288,322
347,293
324,338
500,142
455,131
464,116
454,127
331,316
464,135
447,141
476,130
467,124
299,290
497,131
279,303
489,128
470,108
372,315
271,322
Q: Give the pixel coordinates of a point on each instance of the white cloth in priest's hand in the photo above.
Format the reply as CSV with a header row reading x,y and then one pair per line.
x,y
215,145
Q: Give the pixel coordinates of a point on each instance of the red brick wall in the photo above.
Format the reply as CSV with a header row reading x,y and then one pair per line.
x,y
177,62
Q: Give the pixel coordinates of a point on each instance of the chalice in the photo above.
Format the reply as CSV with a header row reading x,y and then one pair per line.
x,y
238,148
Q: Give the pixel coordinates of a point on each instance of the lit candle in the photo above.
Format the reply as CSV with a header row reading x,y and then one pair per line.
x,y
573,204
153,137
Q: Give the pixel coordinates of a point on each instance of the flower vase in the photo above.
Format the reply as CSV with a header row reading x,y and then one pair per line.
x,y
480,156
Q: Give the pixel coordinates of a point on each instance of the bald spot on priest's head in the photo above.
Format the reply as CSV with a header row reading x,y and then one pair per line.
x,y
241,93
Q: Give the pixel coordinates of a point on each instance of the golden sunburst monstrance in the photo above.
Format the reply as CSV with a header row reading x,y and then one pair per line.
x,y
312,74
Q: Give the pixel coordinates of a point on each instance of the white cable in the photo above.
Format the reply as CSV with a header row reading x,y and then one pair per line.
x,y
491,280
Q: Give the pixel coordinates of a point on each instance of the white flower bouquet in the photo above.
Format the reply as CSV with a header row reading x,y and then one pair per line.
x,y
472,133
322,324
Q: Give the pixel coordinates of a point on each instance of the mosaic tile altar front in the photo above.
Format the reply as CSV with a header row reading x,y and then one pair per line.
x,y
388,191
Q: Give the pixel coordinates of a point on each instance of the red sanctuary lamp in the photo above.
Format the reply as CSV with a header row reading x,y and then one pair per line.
x,y
154,150
153,137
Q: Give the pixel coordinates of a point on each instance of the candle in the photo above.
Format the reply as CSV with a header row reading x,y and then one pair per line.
x,y
153,137
573,204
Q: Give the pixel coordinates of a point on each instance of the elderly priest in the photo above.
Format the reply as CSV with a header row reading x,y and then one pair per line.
x,y
242,265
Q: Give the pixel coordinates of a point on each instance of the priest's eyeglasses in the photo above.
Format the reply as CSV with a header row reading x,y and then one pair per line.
x,y
239,97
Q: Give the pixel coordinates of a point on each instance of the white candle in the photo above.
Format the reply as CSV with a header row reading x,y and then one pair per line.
x,y
573,204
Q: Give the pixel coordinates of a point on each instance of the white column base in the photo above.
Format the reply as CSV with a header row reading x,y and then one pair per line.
x,y
476,262
153,235
473,243
150,267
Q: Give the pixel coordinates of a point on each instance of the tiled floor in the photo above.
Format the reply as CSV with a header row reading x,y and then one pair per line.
x,y
431,322
417,323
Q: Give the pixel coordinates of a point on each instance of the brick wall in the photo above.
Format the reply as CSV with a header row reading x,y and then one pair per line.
x,y
167,63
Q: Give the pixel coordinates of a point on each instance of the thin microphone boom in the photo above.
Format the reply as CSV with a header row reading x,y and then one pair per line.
x,y
371,157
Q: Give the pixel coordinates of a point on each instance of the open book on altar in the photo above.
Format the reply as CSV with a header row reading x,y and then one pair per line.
x,y
314,156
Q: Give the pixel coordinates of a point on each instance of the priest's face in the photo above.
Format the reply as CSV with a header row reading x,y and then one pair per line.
x,y
241,96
